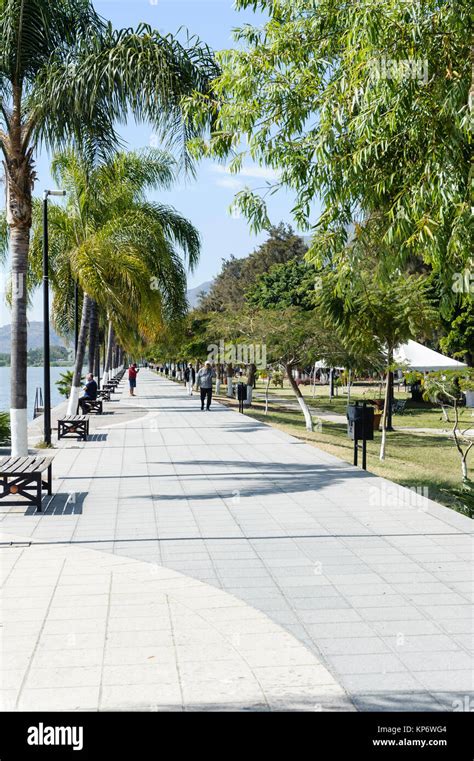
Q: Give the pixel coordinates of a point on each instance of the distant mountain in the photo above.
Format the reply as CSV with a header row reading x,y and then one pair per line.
x,y
35,337
194,293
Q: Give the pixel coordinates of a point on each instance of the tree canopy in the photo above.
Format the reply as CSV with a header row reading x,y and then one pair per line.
x,y
237,275
364,105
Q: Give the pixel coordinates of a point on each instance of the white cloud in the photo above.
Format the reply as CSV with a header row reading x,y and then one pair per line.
x,y
260,172
229,182
247,171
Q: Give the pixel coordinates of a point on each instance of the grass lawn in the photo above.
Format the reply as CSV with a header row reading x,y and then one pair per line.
x,y
416,414
417,461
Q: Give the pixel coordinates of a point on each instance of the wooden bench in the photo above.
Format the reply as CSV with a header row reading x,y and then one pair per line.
x,y
23,476
104,394
88,406
398,406
73,426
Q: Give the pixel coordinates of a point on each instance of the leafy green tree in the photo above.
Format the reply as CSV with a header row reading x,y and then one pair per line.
x,y
366,105
459,339
66,76
447,387
237,275
59,355
292,284
375,313
185,340
292,338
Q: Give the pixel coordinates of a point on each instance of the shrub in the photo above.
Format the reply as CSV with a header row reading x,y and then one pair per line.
x,y
277,378
4,428
65,382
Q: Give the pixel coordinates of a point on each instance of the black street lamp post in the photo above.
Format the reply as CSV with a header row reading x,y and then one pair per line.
x,y
46,352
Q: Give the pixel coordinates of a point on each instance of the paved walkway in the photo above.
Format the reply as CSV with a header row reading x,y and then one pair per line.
x,y
86,630
373,580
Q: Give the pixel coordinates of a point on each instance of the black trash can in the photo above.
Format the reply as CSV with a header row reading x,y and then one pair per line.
x,y
241,395
360,422
242,392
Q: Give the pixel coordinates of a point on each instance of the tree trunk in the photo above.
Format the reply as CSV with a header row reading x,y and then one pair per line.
x,y
349,381
230,389
267,386
383,443
108,354
80,356
93,335
19,242
300,398
97,363
19,178
251,378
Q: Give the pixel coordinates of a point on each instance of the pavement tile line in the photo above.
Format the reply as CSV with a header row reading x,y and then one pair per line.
x,y
338,558
212,659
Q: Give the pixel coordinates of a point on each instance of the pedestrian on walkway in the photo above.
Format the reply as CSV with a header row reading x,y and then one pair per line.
x,y
190,378
132,378
204,382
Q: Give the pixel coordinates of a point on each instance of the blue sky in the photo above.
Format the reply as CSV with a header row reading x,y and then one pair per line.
x,y
205,200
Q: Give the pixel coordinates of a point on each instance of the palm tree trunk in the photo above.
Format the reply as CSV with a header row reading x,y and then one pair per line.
x,y
19,242
80,356
19,176
108,355
93,335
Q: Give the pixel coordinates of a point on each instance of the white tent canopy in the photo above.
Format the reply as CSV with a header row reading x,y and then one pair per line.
x,y
419,357
322,365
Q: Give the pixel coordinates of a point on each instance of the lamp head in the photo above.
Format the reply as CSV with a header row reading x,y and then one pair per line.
x,y
48,193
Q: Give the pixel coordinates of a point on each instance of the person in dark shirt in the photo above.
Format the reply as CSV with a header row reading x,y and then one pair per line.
x,y
190,378
90,391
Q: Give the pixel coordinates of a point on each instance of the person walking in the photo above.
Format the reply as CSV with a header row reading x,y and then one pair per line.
x,y
204,383
190,378
132,378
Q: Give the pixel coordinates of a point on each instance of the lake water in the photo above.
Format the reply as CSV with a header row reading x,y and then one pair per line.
x,y
35,379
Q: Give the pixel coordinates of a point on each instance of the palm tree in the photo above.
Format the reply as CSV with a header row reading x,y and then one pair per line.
x,y
66,76
122,249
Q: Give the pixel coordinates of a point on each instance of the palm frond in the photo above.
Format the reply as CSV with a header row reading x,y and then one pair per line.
x,y
3,238
107,74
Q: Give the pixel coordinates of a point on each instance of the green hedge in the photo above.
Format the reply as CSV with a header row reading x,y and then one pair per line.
x,y
4,428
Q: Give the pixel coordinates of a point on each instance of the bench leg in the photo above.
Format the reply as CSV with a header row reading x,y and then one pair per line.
x,y
50,478
39,492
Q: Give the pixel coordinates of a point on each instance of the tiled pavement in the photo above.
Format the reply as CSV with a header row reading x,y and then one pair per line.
x,y
374,579
87,630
